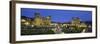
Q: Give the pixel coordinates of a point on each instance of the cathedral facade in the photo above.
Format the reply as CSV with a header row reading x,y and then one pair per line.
x,y
41,21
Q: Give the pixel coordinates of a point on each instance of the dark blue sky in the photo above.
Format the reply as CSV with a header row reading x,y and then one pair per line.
x,y
58,15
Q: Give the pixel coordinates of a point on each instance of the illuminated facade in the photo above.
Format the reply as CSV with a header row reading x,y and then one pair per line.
x,y
75,20
41,21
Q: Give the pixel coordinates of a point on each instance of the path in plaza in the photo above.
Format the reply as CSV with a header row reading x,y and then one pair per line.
x,y
58,31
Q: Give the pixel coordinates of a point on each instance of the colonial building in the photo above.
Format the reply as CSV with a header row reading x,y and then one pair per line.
x,y
75,20
37,20
41,21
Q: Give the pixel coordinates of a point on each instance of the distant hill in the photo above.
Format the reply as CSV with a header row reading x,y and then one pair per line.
x,y
27,18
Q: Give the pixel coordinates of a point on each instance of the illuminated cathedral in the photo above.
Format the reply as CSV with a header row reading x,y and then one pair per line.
x,y
41,21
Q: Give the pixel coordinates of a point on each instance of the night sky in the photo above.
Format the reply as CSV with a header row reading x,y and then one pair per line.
x,y
58,15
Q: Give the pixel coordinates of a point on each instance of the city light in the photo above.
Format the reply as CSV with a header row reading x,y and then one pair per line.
x,y
26,23
23,20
